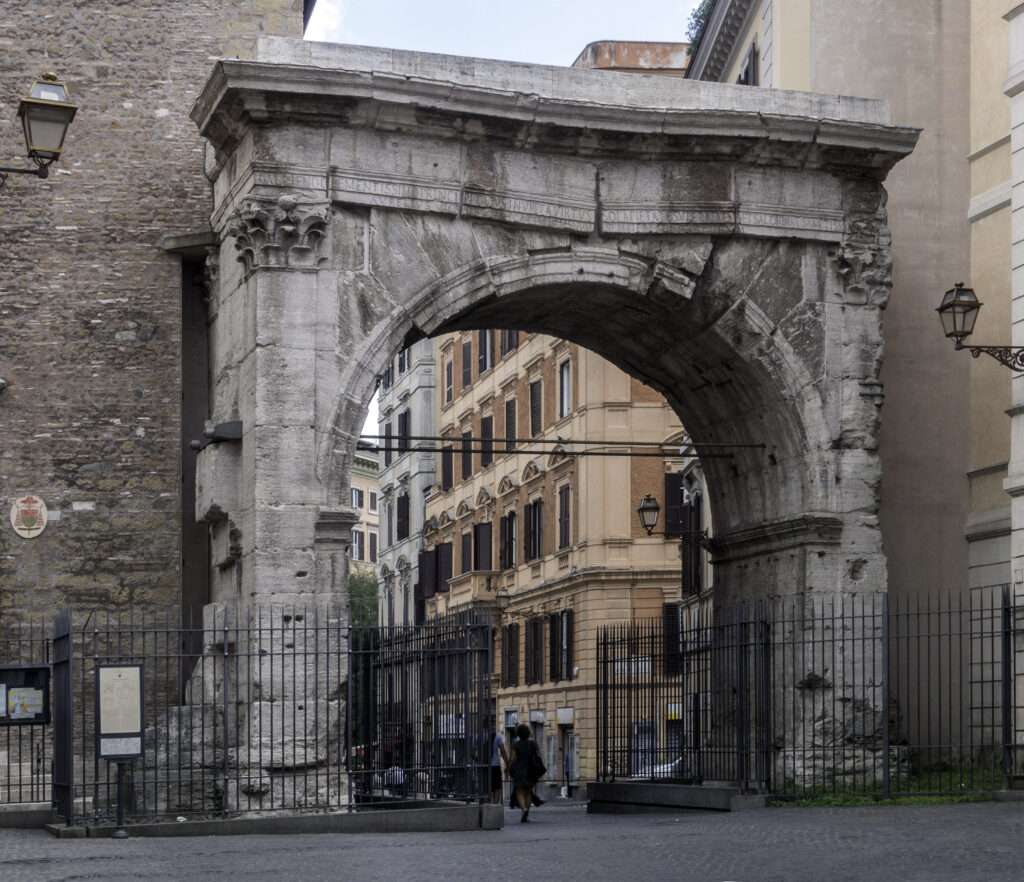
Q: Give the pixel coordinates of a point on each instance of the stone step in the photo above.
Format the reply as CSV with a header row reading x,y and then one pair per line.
x,y
626,797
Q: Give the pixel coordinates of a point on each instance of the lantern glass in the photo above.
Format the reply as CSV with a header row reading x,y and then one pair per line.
x,y
959,312
45,117
648,511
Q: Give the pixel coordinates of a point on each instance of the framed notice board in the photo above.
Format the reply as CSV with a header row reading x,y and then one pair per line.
x,y
119,711
24,695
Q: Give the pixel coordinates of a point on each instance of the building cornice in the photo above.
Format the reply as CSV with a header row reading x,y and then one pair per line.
x,y
727,22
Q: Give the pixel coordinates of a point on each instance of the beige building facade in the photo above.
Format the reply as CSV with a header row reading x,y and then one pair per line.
x,y
366,502
914,54
549,543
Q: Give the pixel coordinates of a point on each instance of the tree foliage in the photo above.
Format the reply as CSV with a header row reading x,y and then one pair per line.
x,y
362,594
698,18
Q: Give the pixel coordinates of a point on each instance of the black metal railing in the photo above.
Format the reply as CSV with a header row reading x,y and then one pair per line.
x,y
422,709
25,750
277,708
808,696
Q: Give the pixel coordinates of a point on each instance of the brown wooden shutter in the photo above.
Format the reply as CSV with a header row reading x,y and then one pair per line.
x,y
444,566
447,468
427,573
569,641
482,546
554,647
673,504
671,646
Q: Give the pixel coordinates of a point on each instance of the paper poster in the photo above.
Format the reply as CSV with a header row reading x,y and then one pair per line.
x,y
24,703
120,700
3,701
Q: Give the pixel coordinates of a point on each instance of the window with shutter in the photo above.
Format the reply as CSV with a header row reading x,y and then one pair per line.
x,y
427,572
447,468
387,443
404,431
482,546
564,389
403,517
444,566
554,647
510,424
467,455
536,422
673,504
449,381
467,364
564,532
373,547
486,441
671,617
466,557
568,662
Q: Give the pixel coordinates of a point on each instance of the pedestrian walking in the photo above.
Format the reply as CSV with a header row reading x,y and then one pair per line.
x,y
526,769
499,754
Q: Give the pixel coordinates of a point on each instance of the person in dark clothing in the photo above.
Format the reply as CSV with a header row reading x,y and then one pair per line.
x,y
526,769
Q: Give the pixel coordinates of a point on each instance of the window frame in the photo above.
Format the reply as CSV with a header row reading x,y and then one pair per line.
x,y
564,388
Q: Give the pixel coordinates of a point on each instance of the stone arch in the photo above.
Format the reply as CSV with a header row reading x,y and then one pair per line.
x,y
732,242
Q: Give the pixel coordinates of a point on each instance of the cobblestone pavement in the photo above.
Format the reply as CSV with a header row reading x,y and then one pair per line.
x,y
981,842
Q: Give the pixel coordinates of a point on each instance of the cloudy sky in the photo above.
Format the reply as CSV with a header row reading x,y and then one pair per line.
x,y
539,31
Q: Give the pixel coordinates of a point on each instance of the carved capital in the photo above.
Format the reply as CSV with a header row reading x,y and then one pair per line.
x,y
286,235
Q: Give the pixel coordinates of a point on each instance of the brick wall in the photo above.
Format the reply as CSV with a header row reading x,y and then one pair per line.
x,y
90,307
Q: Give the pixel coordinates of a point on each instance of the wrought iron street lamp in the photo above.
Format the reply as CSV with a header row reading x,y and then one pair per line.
x,y
690,538
959,313
648,510
45,116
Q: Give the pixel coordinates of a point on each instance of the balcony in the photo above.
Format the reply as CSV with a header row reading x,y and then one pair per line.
x,y
479,586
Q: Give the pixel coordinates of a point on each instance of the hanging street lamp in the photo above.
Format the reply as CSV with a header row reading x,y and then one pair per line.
x,y
648,510
691,539
959,312
45,116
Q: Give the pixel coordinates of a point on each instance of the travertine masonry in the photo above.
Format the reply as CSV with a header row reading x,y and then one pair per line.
x,y
726,246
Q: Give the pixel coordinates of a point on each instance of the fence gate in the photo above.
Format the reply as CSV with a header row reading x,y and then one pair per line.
x,y
421,712
686,698
807,696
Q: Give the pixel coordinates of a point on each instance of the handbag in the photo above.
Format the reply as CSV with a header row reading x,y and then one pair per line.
x,y
537,768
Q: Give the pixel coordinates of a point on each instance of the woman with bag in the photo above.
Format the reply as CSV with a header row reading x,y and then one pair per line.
x,y
526,770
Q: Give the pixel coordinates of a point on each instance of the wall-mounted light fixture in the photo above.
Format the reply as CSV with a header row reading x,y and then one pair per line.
x,y
959,312
45,116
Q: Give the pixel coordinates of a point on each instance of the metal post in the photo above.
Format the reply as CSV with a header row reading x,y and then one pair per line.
x,y
120,832
1007,684
886,772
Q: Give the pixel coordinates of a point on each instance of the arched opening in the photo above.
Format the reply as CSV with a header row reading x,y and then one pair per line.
x,y
699,332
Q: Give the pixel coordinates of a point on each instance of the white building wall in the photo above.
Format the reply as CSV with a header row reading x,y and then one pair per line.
x,y
412,472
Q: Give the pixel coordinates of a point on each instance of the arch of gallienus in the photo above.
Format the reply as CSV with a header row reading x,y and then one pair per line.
x,y
726,245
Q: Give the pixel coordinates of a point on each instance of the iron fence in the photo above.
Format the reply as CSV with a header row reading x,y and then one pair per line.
x,y
25,750
807,696
422,712
254,711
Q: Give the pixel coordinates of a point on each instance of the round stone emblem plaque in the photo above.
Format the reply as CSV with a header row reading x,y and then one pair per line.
x,y
28,516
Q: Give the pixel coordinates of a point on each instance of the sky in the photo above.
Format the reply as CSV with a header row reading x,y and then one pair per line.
x,y
537,31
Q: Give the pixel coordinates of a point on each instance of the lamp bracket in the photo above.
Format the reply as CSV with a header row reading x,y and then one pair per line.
x,y
1008,356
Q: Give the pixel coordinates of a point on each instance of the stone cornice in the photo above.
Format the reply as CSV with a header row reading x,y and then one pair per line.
x,y
575,112
778,536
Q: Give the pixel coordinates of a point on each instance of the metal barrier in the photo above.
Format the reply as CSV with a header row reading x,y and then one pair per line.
x,y
255,711
25,750
807,696
422,712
